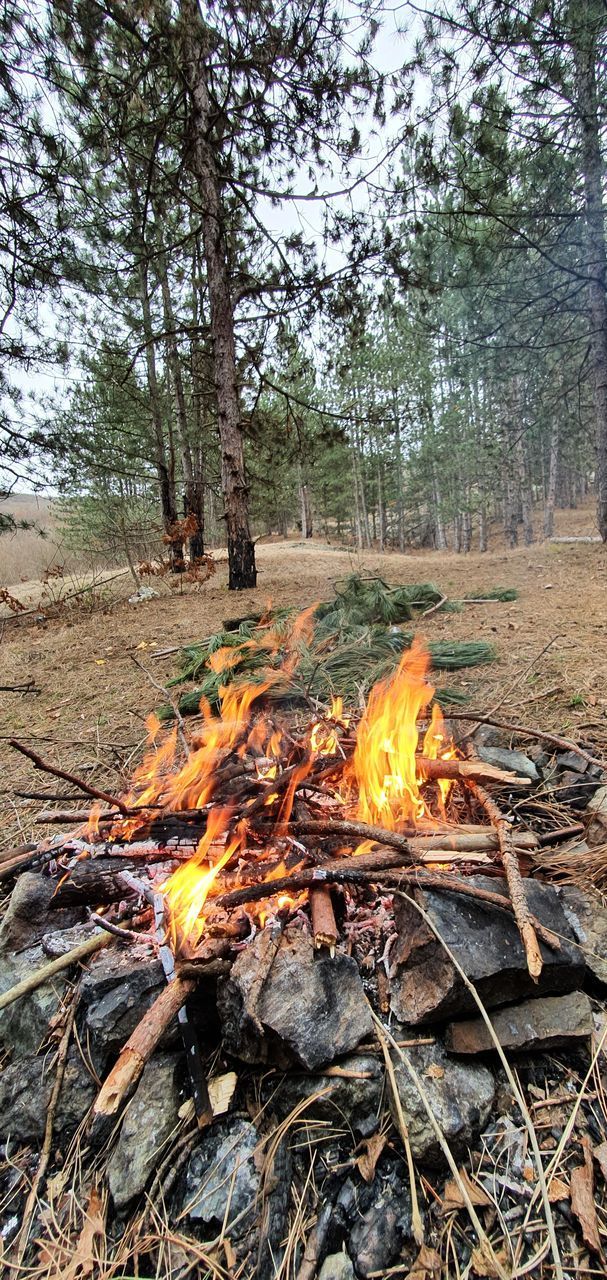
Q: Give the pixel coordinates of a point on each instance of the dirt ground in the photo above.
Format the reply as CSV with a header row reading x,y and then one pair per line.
x,y
551,668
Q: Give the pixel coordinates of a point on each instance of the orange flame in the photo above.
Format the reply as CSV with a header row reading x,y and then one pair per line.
x,y
188,888
384,763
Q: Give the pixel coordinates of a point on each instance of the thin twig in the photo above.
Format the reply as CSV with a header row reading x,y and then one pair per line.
x,y
564,744
520,676
87,787
48,971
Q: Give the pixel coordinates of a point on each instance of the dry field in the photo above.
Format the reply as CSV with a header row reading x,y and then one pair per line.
x,y
93,700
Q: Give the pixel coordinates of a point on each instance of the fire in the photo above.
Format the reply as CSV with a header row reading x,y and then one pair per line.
x,y
385,765
385,776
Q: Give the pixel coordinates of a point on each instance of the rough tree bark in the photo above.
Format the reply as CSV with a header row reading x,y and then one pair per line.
x,y
592,169
191,502
241,550
550,498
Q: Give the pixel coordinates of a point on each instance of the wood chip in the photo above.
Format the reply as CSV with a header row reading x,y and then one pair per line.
x,y
582,1200
558,1190
221,1092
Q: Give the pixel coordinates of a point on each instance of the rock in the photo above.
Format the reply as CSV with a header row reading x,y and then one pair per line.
x,y
515,761
25,1024
588,918
27,917
574,789
382,1223
336,1267
425,985
143,593
460,1094
545,1023
115,992
223,1172
148,1124
25,1089
354,1097
311,1005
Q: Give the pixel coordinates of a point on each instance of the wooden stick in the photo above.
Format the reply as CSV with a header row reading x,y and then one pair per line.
x,y
414,845
36,979
324,927
125,1074
516,886
344,872
463,769
87,787
564,744
32,1200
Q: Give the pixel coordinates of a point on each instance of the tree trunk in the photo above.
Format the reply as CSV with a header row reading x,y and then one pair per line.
x,y
483,541
550,499
165,473
191,500
592,169
525,488
241,550
306,510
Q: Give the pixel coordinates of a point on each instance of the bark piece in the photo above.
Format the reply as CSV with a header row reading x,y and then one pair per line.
x,y
539,1024
582,1200
425,985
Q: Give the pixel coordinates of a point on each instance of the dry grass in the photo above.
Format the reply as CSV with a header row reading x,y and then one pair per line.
x,y
26,554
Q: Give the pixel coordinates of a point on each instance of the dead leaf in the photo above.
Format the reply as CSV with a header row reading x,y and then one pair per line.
x,y
231,1258
582,1200
221,1092
482,1263
600,1154
558,1190
427,1265
368,1158
529,1173
435,1072
453,1198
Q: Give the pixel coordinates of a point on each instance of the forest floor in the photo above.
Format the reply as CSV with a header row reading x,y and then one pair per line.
x,y
551,667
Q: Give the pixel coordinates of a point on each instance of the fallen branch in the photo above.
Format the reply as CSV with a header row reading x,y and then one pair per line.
x,y
514,879
48,971
564,744
452,838
87,787
118,1087
477,770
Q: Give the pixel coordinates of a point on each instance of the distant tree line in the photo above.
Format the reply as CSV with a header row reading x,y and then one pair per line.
x,y
421,358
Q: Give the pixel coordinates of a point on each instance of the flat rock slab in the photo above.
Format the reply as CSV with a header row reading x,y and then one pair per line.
x,y
425,985
547,1023
461,1096
224,1177
25,1090
150,1120
588,919
294,999
514,761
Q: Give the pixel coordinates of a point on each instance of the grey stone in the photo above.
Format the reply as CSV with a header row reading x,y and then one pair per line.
x,y
425,985
223,1176
460,1094
115,992
25,1089
546,1023
588,918
25,1023
382,1223
311,1005
27,917
515,761
354,1096
337,1266
149,1122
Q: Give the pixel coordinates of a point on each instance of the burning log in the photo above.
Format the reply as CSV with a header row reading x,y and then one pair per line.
x,y
324,927
452,839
